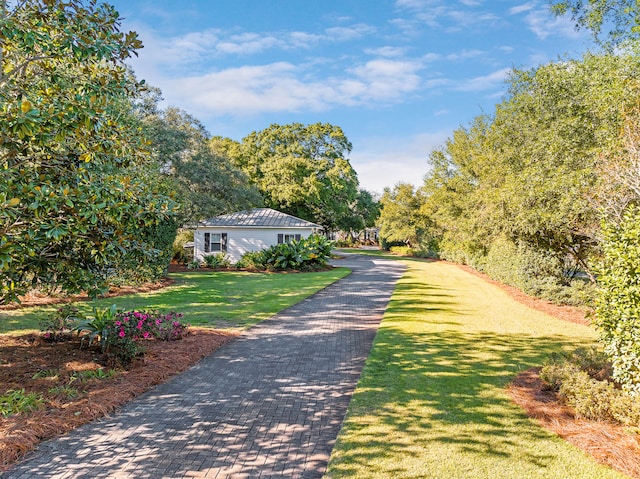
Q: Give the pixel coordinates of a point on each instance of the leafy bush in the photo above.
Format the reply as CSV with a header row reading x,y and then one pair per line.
x,y
253,260
119,333
58,326
618,303
169,326
402,250
98,327
307,254
582,380
216,261
183,237
195,264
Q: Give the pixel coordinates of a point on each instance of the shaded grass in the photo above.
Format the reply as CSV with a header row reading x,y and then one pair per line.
x,y
223,300
431,401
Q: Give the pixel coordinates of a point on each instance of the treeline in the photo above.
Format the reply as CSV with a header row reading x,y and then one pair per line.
x,y
544,193
522,194
97,178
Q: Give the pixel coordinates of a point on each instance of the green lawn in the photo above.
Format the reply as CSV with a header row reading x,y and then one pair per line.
x,y
226,300
431,401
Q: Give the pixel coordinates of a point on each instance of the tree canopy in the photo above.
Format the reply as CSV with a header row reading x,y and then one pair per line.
x,y
533,179
612,22
70,148
301,170
205,182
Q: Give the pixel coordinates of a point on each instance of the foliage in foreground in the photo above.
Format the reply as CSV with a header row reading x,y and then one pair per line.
x,y
582,380
18,401
618,304
75,191
119,334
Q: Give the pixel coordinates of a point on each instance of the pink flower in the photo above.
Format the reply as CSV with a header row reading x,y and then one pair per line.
x,y
146,334
140,324
122,333
118,323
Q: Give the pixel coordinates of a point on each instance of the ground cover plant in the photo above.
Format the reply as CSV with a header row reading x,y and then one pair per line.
x,y
52,384
432,399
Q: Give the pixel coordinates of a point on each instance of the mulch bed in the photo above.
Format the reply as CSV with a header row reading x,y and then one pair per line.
x,y
22,357
609,444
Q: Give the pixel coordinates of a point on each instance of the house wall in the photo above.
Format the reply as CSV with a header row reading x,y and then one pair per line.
x,y
243,240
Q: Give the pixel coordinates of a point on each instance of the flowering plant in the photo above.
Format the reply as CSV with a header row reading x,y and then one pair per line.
x,y
122,334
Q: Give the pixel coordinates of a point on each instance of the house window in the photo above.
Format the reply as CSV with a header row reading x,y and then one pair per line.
x,y
284,238
215,242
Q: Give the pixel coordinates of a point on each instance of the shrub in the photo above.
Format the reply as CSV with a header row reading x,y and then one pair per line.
x,y
169,327
306,254
402,250
618,302
119,333
216,261
180,254
98,327
582,380
195,264
59,325
253,259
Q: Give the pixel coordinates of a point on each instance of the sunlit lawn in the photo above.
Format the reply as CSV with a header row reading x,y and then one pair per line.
x,y
431,402
228,300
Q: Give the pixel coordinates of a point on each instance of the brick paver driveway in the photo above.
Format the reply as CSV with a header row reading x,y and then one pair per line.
x,y
269,404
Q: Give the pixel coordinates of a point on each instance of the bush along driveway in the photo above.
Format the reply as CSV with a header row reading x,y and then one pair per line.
x,y
431,402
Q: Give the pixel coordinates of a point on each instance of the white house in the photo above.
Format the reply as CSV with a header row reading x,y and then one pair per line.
x,y
252,230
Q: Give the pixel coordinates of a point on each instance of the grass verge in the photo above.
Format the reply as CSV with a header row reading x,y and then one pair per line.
x,y
221,300
431,402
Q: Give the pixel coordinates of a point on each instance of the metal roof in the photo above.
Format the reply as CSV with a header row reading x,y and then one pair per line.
x,y
259,218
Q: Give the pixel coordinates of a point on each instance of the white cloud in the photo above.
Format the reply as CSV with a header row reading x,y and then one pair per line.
x,y
543,23
348,33
383,162
525,7
282,86
485,82
464,55
389,52
388,79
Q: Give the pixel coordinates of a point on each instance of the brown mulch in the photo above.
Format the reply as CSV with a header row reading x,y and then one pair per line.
x,y
609,444
22,357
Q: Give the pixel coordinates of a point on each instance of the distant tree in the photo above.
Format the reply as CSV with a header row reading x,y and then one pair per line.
x,y
301,170
401,218
364,213
72,205
205,183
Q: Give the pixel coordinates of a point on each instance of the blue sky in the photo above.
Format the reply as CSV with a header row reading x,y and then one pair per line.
x,y
398,76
